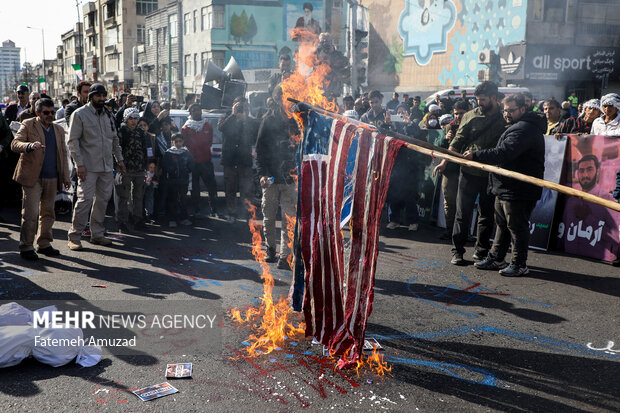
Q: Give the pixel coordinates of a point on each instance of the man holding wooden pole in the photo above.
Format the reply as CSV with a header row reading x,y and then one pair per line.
x,y
521,148
479,129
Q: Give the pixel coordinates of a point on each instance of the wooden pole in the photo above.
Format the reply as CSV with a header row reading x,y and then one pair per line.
x,y
436,151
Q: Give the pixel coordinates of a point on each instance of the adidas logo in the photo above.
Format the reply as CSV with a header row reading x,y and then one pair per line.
x,y
510,65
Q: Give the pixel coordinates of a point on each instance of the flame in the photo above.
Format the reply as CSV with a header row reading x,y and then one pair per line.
x,y
290,230
274,328
374,362
308,82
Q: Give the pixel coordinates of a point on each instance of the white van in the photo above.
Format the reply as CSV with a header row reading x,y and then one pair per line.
x,y
457,92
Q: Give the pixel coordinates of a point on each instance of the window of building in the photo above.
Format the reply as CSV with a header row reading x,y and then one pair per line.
x,y
186,19
111,37
204,23
219,21
140,33
144,7
110,9
204,57
218,57
91,19
255,60
173,23
554,11
111,63
195,20
186,66
195,64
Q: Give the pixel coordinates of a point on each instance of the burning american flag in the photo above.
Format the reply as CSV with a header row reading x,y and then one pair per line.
x,y
344,176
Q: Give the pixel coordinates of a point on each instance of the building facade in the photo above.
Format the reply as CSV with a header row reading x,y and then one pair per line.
x,y
112,30
424,46
10,67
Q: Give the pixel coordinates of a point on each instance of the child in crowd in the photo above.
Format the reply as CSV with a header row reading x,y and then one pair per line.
x,y
151,184
177,165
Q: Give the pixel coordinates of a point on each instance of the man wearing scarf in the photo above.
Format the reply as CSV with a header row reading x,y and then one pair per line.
x,y
609,124
198,137
583,123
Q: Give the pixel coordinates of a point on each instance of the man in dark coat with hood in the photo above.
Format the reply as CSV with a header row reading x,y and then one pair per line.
x,y
521,148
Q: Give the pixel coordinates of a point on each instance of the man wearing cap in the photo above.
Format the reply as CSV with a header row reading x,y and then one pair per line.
x,y
609,124
21,104
92,142
131,187
41,171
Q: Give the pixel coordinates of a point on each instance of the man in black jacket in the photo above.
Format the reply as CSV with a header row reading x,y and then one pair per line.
x,y
238,136
275,160
83,88
521,148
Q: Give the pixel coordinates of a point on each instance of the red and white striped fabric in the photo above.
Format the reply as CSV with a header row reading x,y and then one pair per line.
x,y
339,280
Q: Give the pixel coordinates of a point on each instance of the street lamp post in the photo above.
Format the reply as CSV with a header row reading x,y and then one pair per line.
x,y
43,40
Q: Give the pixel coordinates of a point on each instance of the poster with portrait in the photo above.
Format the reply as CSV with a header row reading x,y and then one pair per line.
x,y
587,229
303,14
542,215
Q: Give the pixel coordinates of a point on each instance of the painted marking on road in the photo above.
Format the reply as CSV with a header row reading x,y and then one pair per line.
x,y
608,349
453,294
548,343
487,379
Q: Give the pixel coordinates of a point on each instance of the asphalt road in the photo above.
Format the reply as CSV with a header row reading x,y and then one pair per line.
x,y
457,338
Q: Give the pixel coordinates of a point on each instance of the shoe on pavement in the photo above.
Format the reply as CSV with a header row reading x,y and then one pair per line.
x,y
283,264
49,251
479,255
101,241
490,263
29,255
514,270
392,225
271,255
457,259
172,224
123,228
75,245
413,227
186,222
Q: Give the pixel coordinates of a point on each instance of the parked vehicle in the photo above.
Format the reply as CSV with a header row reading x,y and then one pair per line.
x,y
457,92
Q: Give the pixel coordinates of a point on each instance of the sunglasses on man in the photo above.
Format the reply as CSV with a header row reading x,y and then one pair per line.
x,y
48,112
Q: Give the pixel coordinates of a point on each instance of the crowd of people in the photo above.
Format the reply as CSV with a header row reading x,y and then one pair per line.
x,y
132,152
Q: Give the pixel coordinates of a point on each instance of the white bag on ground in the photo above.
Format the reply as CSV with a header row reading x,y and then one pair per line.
x,y
19,339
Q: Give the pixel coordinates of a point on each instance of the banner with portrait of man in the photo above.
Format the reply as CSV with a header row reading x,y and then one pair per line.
x,y
587,229
308,15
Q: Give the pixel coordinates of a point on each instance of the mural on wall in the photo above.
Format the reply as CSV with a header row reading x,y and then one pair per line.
x,y
298,14
488,25
424,27
253,24
442,37
243,28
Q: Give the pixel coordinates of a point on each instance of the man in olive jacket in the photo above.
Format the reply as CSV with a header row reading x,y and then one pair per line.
x,y
479,129
41,169
521,148
93,140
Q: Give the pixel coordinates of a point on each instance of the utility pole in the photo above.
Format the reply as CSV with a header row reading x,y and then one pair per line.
x,y
352,19
170,64
80,35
